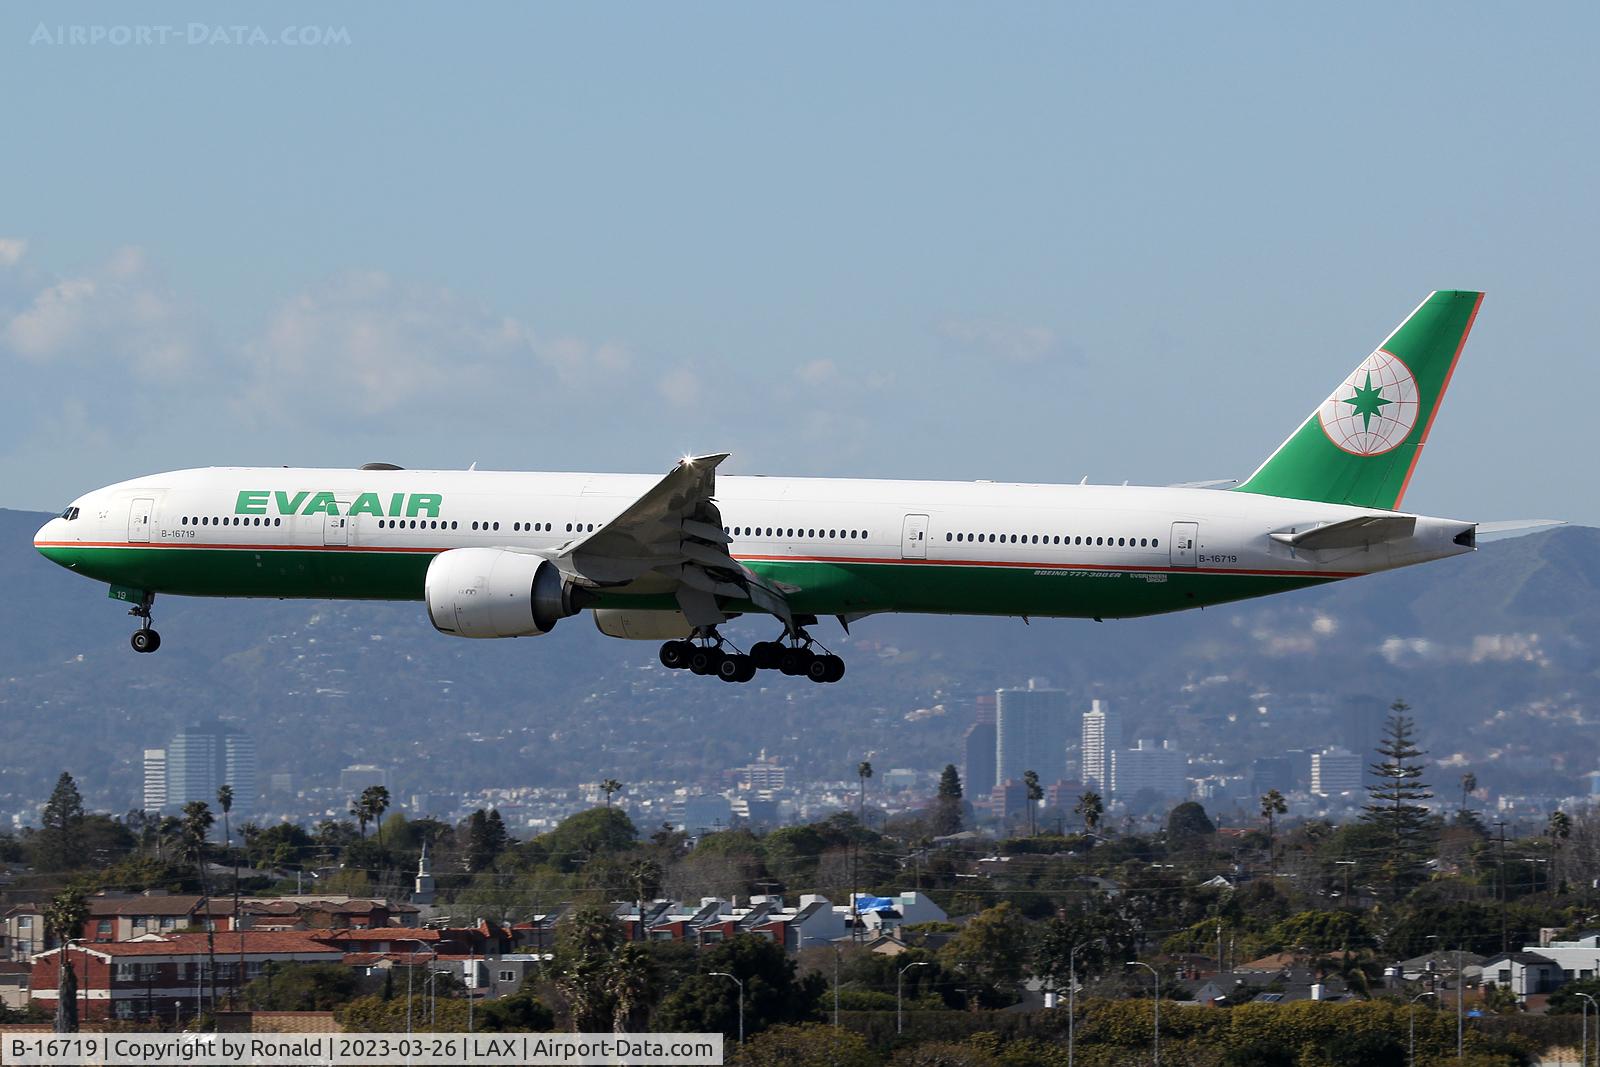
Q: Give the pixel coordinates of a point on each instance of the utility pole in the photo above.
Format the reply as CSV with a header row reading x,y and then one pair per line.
x,y
1505,937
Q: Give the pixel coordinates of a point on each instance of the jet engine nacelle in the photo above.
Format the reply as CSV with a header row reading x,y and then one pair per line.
x,y
495,592
634,625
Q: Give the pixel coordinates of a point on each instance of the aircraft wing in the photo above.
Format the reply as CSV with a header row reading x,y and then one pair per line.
x,y
671,540
1358,532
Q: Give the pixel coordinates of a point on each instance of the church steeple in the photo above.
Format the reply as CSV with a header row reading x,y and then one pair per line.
x,y
422,894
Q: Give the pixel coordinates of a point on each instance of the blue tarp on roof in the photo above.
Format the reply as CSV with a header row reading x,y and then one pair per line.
x,y
876,904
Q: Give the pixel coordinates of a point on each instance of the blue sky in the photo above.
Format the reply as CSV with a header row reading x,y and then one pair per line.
x,y
1032,242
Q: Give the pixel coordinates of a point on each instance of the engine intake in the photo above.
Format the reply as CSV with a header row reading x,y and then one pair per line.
x,y
494,592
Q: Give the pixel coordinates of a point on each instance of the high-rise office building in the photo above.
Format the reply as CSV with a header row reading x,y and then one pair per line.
x,y
1335,770
1031,733
202,758
155,780
977,779
1158,768
1102,735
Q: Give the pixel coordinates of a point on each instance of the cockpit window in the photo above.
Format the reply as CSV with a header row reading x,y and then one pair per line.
x,y
70,514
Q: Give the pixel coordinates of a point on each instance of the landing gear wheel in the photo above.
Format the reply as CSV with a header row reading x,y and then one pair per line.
x,y
766,655
796,661
145,640
706,660
675,654
736,668
822,669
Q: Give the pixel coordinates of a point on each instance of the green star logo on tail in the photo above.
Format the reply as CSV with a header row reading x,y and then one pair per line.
x,y
1375,409
1367,402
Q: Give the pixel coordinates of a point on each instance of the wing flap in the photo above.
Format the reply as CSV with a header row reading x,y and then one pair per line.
x,y
674,534
1359,532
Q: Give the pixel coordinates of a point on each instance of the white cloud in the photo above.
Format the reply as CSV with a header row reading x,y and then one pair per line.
x,y
817,372
120,312
680,387
1014,343
12,249
379,346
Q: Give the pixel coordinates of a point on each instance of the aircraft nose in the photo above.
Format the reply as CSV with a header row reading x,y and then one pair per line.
x,y
46,533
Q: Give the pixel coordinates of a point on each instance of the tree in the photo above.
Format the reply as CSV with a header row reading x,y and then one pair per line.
x,y
806,1045
992,950
369,807
1559,830
1030,782
1272,805
361,814
645,879
1394,805
1091,808
863,772
586,945
1188,824
60,844
610,786
947,807
1469,785
302,987
197,824
63,920
486,839
773,994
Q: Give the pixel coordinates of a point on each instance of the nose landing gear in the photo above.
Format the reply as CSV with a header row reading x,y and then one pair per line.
x,y
144,639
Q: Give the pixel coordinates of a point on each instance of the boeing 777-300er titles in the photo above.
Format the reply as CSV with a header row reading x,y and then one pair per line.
x,y
506,554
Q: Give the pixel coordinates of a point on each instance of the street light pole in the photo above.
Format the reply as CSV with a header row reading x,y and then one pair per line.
x,y
1411,1058
899,1010
1157,975
1583,1057
737,982
1072,992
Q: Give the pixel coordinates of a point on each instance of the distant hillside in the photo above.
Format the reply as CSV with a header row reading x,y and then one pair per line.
x,y
322,684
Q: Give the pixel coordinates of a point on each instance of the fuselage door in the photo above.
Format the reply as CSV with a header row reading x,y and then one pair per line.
x,y
336,528
914,538
139,520
1185,543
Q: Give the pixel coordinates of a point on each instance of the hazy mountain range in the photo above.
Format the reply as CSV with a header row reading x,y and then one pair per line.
x,y
1499,652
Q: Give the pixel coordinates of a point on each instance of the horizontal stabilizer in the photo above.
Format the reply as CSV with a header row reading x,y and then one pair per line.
x,y
1209,483
1509,527
1358,532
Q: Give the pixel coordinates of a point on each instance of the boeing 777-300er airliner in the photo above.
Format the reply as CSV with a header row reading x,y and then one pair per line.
x,y
506,554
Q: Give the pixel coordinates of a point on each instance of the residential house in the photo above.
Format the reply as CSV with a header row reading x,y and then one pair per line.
x,y
168,978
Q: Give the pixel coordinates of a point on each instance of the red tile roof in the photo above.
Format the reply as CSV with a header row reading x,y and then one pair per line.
x,y
383,933
255,942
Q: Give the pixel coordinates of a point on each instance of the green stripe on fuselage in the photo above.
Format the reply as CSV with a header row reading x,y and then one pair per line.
x,y
824,588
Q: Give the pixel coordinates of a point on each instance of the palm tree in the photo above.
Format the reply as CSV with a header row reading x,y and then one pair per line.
x,y
1091,807
197,824
63,920
863,772
609,786
1030,780
225,802
375,798
1469,785
362,813
1559,829
1272,805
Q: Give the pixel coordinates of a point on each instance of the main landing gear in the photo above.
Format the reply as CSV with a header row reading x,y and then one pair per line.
x,y
791,654
144,638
